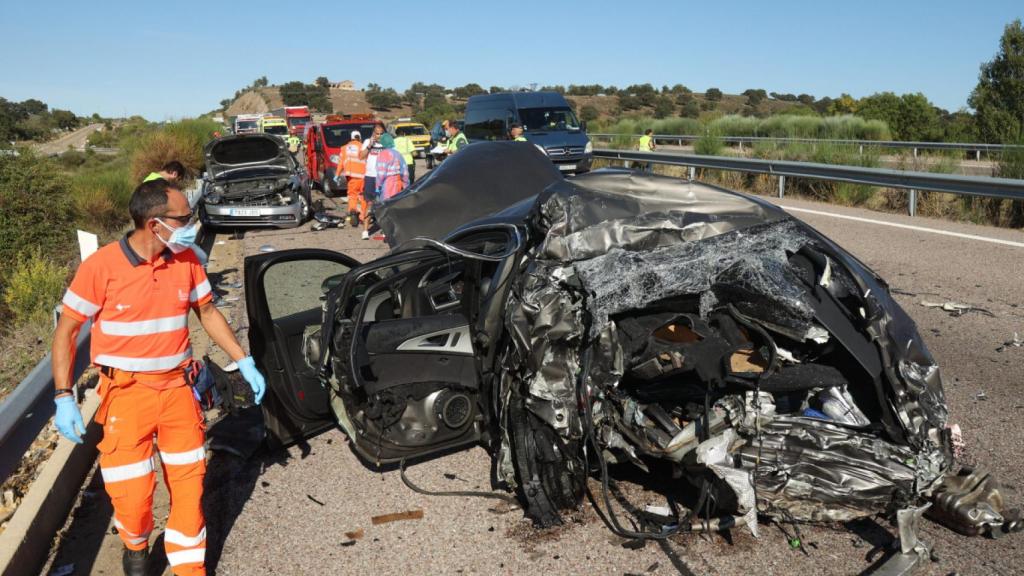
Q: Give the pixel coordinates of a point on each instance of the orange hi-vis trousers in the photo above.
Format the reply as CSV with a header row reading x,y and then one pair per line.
x,y
356,202
133,414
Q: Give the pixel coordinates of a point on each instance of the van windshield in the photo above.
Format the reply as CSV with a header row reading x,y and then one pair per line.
x,y
548,119
410,131
246,125
276,129
337,135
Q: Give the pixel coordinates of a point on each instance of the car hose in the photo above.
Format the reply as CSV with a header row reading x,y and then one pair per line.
x,y
474,493
607,516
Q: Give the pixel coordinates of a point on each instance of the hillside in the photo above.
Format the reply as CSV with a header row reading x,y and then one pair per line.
x,y
343,102
354,102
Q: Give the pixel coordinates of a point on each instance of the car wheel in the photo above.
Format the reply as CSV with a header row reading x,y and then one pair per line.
x,y
549,472
328,188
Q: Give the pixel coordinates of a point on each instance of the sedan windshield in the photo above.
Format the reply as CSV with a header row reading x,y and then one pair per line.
x,y
548,119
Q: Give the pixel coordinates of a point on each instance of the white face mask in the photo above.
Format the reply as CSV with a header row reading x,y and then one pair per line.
x,y
181,238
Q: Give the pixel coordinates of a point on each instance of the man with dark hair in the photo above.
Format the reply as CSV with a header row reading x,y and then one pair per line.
x,y
456,139
138,292
173,171
515,133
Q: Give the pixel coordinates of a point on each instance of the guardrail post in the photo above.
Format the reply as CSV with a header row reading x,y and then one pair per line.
x,y
912,202
977,155
693,172
740,142
782,186
915,152
861,150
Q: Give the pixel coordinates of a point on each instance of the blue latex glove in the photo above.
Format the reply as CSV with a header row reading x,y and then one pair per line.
x,y
247,366
69,419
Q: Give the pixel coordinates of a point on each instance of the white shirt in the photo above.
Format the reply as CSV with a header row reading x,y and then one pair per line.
x,y
371,160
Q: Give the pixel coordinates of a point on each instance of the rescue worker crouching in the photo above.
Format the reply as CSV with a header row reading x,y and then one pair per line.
x,y
139,291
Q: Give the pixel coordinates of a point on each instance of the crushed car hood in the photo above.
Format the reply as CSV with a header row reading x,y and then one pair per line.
x,y
226,155
480,180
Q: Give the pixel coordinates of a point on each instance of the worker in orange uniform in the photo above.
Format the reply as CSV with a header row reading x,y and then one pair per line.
x,y
138,292
354,169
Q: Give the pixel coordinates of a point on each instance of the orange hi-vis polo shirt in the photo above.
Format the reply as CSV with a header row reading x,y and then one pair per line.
x,y
139,308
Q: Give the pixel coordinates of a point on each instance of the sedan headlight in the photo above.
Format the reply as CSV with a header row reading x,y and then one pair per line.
x,y
333,158
589,149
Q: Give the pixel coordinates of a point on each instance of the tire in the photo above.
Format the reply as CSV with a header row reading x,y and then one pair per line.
x,y
549,471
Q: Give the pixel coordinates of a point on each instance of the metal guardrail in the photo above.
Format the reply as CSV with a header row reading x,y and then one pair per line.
x,y
913,181
28,408
976,147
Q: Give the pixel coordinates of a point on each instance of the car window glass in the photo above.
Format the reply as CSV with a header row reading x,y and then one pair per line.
x,y
296,286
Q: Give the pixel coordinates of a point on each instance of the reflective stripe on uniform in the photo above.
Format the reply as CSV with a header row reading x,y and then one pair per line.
x,y
132,537
199,291
144,327
196,555
127,472
80,305
182,458
172,536
156,364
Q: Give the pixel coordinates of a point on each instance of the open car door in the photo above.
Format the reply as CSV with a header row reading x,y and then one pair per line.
x,y
406,376
285,295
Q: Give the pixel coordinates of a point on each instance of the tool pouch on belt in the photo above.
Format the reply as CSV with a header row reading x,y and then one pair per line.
x,y
198,376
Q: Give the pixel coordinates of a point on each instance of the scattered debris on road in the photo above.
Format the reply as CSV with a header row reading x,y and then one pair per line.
x,y
266,248
956,309
355,534
1015,342
397,516
314,500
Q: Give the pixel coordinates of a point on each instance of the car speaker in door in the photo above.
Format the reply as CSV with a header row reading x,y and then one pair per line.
x,y
453,408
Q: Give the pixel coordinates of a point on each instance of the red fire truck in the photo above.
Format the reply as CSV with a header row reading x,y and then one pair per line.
x,y
323,147
296,116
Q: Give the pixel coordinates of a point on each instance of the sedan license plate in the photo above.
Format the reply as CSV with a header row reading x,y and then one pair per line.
x,y
565,167
245,211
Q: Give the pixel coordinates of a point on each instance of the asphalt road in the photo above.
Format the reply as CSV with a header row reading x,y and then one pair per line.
x,y
289,512
76,140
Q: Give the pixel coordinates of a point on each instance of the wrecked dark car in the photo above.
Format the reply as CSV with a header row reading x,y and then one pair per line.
x,y
252,180
695,333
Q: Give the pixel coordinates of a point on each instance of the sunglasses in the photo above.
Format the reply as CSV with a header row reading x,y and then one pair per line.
x,y
184,220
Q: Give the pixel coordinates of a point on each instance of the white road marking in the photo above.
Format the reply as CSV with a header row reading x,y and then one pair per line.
x,y
906,226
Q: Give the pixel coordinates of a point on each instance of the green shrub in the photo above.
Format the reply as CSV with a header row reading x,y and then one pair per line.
x,y
182,141
35,209
101,196
710,144
34,287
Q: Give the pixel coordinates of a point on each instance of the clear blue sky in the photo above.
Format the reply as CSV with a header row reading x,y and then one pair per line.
x,y
117,57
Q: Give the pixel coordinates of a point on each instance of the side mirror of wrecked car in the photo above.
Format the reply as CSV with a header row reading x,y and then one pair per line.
x,y
330,282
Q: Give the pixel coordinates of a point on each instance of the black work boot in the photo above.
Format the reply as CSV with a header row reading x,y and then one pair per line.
x,y
134,562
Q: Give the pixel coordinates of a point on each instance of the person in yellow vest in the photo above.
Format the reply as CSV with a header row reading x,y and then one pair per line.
x,y
172,172
405,147
293,143
646,145
456,139
353,168
515,133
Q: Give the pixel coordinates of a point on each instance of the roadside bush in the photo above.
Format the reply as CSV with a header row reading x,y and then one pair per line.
x,y
710,144
35,209
34,287
101,196
181,141
847,127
